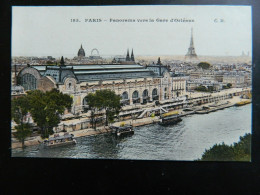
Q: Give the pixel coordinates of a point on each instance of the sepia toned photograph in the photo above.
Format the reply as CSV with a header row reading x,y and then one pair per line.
x,y
157,82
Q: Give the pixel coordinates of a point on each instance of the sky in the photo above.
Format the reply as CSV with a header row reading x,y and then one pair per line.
x,y
50,30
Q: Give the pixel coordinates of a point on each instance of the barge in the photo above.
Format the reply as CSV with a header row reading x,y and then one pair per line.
x,y
242,103
170,118
57,140
124,130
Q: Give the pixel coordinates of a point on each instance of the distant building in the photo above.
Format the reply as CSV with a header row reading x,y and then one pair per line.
x,y
193,84
50,58
17,91
81,52
236,79
191,54
125,60
158,68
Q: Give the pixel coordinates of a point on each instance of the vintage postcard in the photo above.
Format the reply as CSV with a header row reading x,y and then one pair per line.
x,y
151,82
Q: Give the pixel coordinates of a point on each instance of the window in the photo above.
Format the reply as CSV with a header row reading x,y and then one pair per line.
x,y
145,93
28,81
125,96
135,94
155,95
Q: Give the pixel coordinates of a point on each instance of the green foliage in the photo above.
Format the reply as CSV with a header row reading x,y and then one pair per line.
x,y
204,65
22,131
94,107
45,108
210,88
104,99
204,89
50,63
219,152
201,88
240,151
229,85
19,109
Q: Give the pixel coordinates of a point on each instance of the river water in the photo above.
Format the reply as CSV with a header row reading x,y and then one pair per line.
x,y
186,140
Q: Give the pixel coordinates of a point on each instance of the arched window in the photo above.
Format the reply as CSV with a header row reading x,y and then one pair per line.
x,y
145,93
28,81
125,96
85,104
145,96
135,97
155,94
135,94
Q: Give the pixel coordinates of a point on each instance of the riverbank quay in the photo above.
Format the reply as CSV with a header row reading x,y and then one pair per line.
x,y
80,126
30,141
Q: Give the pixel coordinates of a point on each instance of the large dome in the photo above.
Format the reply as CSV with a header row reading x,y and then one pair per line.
x,y
81,52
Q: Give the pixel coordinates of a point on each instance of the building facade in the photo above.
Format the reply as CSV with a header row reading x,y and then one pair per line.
x,y
135,83
236,79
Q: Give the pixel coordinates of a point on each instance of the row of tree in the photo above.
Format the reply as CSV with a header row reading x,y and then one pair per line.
x,y
229,85
45,108
240,151
204,89
103,100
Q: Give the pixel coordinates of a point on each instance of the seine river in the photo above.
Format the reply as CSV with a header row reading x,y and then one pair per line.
x,y
185,141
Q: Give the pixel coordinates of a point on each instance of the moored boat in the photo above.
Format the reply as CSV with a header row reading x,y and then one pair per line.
x,y
243,103
170,118
127,129
57,140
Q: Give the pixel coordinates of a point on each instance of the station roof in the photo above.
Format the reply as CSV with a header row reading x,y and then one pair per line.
x,y
120,71
110,71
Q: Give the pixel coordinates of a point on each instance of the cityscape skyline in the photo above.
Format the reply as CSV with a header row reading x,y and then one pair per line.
x,y
228,30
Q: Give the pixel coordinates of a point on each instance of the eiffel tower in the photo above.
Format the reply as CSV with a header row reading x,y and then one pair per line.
x,y
191,51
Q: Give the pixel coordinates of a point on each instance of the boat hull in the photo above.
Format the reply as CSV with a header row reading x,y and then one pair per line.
x,y
242,103
170,122
60,144
125,133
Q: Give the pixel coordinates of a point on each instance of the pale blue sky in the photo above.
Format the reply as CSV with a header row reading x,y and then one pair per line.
x,y
42,31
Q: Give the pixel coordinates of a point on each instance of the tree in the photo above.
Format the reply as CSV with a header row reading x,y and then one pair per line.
x,y
219,152
50,63
210,88
201,88
109,101
204,65
94,107
47,108
19,109
104,99
22,131
229,85
240,151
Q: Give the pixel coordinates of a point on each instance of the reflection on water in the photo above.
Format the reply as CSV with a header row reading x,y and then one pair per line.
x,y
185,141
